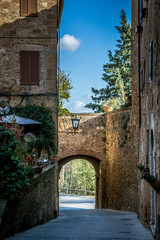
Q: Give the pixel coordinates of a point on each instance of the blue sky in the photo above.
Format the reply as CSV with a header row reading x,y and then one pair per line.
x,y
87,33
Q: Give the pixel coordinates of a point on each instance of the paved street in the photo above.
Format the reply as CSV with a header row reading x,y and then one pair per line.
x,y
71,202
79,220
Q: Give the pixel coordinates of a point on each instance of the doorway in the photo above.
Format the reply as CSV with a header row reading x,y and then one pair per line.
x,y
153,172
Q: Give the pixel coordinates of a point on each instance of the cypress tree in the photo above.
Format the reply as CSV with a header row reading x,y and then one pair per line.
x,y
117,72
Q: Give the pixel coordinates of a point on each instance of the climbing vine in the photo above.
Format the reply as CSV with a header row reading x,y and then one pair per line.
x,y
13,175
46,137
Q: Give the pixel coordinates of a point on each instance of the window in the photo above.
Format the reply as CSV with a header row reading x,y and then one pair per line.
x,y
151,62
29,67
140,11
146,1
29,8
144,73
147,148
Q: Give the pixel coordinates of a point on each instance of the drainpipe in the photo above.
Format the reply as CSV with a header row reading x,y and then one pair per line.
x,y
58,61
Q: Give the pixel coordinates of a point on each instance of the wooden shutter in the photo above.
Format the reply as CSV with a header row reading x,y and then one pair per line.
x,y
29,8
34,68
32,8
24,7
29,67
24,74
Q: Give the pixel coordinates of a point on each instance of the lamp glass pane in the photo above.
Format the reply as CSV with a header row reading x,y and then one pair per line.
x,y
75,123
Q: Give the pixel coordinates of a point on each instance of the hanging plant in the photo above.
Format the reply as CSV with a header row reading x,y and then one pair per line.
x,y
145,174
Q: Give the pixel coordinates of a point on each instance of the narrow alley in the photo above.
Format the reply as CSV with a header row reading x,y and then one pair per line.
x,y
79,220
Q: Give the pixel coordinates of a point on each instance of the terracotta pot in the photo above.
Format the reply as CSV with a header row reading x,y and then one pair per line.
x,y
155,185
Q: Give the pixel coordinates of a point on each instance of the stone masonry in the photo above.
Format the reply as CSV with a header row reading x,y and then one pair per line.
x,y
19,33
36,204
108,142
146,77
121,159
88,142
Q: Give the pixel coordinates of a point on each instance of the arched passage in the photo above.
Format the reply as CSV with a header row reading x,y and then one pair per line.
x,y
95,162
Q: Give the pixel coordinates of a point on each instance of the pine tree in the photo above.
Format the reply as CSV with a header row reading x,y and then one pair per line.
x,y
117,72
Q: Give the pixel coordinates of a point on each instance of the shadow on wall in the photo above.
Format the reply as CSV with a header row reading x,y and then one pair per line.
x,y
35,205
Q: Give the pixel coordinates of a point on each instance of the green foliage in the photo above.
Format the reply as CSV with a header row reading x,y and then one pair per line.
x,y
46,138
29,171
80,175
8,144
117,72
65,86
145,171
12,174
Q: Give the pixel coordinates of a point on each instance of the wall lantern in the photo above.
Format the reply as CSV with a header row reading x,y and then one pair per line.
x,y
75,123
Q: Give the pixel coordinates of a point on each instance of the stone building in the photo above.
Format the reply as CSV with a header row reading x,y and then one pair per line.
x,y
146,78
28,52
29,32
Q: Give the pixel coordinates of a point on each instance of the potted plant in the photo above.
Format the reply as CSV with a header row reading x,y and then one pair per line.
x,y
145,174
38,168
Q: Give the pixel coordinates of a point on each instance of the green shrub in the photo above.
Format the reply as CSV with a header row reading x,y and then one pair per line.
x,y
12,173
46,137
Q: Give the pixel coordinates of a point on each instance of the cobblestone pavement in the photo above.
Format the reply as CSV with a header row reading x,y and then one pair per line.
x,y
86,223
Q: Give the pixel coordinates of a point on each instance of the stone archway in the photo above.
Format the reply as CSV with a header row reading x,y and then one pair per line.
x,y
96,164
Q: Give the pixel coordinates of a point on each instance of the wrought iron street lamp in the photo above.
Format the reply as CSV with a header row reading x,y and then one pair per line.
x,y
75,123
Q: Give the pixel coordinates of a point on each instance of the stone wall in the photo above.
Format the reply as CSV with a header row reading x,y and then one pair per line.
x,y
109,138
121,159
88,139
149,151
36,204
87,142
28,34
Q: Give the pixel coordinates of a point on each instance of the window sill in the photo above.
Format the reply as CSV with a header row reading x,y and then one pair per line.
x,y
29,84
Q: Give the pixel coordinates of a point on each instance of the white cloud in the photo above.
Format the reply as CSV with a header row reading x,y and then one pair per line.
x,y
69,43
79,105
